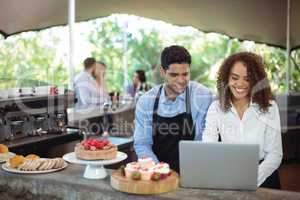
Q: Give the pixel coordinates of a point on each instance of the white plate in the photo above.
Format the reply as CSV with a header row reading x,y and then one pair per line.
x,y
10,154
94,168
71,158
7,168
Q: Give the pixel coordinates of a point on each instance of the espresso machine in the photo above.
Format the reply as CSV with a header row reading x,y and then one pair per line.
x,y
18,127
39,124
57,123
33,116
4,129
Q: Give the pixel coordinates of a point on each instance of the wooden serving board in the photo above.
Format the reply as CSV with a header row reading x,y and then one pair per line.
x,y
123,184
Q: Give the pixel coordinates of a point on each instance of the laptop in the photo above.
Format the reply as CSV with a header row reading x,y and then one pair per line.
x,y
218,165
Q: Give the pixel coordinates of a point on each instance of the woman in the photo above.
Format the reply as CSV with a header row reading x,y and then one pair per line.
x,y
247,113
139,83
100,82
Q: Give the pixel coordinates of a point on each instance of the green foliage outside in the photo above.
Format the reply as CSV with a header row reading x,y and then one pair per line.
x,y
27,60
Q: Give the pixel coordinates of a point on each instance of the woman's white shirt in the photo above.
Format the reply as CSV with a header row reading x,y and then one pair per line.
x,y
255,127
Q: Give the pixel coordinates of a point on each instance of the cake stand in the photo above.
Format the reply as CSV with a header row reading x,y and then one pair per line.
x,y
94,168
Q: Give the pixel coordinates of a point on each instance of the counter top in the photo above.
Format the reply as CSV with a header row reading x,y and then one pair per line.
x,y
120,141
29,98
69,184
82,114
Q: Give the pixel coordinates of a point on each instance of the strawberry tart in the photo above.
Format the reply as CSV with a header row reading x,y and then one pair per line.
x,y
93,149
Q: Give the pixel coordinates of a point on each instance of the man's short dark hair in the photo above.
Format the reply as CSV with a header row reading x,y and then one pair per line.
x,y
174,54
141,75
89,62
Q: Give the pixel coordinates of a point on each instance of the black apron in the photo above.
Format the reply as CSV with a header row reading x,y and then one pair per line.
x,y
168,131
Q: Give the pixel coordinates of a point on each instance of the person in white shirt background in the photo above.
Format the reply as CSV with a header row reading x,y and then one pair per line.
x,y
246,112
88,85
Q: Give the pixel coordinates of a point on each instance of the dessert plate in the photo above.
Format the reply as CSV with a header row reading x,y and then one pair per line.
x,y
8,168
94,168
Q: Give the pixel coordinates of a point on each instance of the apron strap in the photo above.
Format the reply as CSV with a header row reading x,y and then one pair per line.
x,y
155,108
156,102
187,101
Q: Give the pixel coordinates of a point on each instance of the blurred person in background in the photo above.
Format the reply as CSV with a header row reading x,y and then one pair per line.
x,y
100,82
139,83
89,83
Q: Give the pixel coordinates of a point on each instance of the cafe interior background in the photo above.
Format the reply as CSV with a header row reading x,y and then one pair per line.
x,y
129,42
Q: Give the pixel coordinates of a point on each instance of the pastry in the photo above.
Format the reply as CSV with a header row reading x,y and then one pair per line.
x,y
3,148
131,168
32,157
4,153
146,174
146,162
16,160
41,164
145,169
94,149
163,169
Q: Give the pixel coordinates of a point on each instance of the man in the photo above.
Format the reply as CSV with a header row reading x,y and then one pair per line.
x,y
85,86
170,112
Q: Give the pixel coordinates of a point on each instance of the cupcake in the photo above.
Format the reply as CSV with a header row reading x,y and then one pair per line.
x,y
162,165
146,174
146,162
163,169
130,168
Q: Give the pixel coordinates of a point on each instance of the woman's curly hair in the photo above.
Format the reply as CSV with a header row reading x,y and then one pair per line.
x,y
260,91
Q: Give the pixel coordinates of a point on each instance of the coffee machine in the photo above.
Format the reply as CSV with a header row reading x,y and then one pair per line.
x,y
33,116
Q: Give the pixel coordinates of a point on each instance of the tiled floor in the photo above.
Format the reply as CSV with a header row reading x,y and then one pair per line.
x,y
290,176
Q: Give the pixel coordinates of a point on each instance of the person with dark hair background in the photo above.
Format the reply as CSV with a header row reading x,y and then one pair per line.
x,y
172,111
139,83
87,89
246,112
